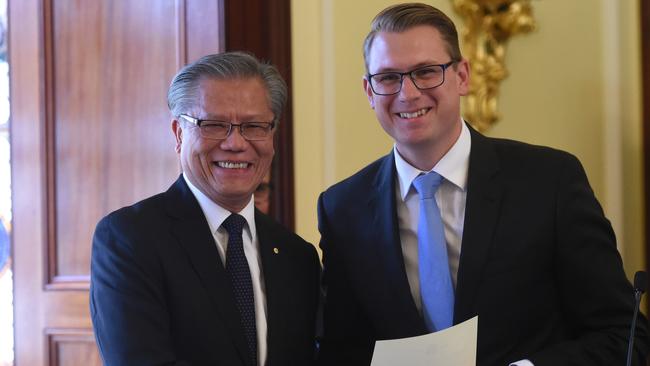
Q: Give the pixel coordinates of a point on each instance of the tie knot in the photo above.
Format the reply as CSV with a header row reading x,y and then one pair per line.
x,y
427,184
234,224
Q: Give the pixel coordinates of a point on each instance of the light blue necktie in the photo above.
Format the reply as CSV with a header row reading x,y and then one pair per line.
x,y
436,288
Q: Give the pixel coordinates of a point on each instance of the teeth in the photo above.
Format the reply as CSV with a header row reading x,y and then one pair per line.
x,y
415,114
229,165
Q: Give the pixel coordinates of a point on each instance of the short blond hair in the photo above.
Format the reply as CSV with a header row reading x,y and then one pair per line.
x,y
401,17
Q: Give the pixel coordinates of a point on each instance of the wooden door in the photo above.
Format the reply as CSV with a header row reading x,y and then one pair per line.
x,y
90,132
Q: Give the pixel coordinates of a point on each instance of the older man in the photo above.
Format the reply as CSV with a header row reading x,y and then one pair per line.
x,y
196,275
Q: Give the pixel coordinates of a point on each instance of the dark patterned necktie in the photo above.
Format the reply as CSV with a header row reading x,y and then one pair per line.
x,y
240,278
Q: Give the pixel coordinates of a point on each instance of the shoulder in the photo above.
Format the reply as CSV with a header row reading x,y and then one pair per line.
x,y
176,201
136,212
140,223
360,184
131,234
510,148
517,156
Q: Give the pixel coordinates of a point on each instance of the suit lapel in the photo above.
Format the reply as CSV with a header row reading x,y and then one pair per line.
x,y
191,230
385,243
484,192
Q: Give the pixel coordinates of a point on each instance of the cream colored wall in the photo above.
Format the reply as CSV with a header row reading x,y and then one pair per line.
x,y
573,85
631,138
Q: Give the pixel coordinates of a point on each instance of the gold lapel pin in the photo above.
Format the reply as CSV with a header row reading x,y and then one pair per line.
x,y
276,250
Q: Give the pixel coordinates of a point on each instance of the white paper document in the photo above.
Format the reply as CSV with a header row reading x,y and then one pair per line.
x,y
455,346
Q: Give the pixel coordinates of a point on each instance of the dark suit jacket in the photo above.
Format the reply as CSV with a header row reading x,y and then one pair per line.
x,y
160,294
538,263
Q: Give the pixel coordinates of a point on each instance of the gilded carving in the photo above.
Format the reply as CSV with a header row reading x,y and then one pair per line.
x,y
489,24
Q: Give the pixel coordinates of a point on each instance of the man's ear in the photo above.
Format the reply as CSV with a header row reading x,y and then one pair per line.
x,y
462,76
178,134
369,94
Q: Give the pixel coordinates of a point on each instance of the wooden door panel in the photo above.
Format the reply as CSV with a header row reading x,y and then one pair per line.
x,y
72,347
90,132
111,140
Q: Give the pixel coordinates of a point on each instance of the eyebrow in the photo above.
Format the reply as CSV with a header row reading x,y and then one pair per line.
x,y
243,119
416,66
211,117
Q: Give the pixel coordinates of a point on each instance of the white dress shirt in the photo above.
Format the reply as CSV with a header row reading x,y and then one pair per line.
x,y
450,198
215,216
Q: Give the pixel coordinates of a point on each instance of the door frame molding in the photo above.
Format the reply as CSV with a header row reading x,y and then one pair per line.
x,y
645,101
263,27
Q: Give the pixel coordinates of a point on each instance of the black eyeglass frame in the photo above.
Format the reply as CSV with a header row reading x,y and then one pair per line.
x,y
198,122
410,75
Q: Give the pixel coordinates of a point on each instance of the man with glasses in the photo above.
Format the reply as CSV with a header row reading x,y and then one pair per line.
x,y
452,224
196,275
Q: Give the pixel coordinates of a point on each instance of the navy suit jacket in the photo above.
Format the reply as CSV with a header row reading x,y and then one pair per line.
x,y
160,294
538,263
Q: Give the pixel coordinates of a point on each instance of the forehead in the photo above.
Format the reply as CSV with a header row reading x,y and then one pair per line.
x,y
228,96
419,45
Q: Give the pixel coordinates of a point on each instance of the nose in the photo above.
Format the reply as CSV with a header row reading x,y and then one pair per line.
x,y
234,141
409,90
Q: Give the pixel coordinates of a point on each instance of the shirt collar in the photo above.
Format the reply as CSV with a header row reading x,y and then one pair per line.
x,y
216,215
453,165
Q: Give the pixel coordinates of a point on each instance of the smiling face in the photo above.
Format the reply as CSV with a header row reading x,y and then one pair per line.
x,y
228,170
423,123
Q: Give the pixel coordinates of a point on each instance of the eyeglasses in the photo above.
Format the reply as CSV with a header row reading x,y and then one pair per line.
x,y
425,77
219,130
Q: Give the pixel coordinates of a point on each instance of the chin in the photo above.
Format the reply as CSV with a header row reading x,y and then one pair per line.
x,y
414,140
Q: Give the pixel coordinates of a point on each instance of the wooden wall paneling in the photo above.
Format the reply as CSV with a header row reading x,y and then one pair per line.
x,y
264,28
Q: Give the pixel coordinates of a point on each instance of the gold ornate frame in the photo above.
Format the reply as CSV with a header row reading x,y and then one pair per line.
x,y
489,24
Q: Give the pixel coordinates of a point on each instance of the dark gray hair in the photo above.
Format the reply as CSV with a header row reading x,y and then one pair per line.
x,y
183,91
401,17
